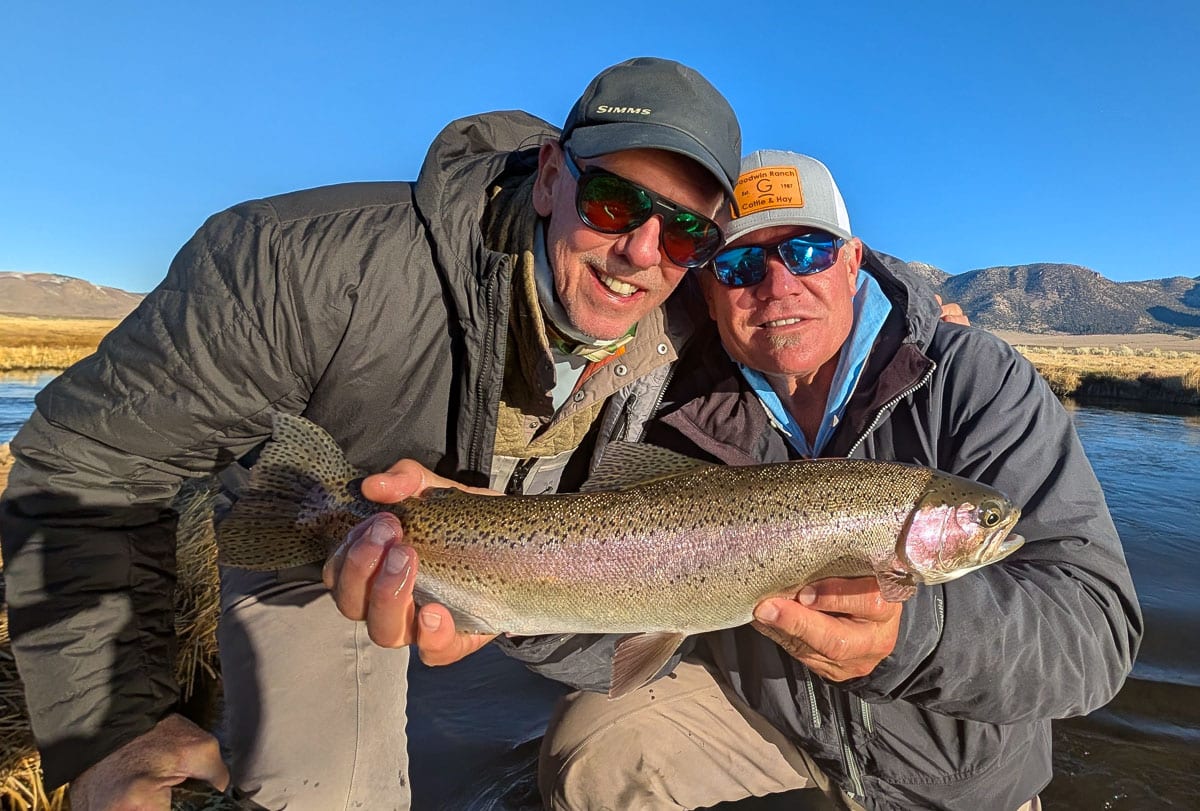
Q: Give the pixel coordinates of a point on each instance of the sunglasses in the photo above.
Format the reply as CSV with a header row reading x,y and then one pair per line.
x,y
611,204
802,256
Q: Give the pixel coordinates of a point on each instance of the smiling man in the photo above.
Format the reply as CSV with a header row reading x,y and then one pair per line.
x,y
479,321
827,348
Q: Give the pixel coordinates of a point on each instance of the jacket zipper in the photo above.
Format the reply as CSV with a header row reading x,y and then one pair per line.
x,y
843,732
852,770
812,698
890,404
623,430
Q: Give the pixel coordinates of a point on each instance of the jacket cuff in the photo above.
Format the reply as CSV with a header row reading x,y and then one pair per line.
x,y
921,622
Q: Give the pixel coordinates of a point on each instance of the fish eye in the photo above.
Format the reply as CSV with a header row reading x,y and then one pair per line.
x,y
990,515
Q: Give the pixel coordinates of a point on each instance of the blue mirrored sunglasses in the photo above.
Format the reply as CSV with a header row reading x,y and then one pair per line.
x,y
802,255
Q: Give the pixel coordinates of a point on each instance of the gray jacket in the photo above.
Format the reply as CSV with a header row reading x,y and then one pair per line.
x,y
378,310
958,716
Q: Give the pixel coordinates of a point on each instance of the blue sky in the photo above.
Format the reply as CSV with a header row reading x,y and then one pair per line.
x,y
963,134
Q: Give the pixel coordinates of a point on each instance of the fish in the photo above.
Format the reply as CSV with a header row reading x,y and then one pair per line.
x,y
656,546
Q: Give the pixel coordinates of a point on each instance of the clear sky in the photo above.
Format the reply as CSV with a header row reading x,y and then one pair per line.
x,y
962,134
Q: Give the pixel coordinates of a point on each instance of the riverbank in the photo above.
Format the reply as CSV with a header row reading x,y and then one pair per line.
x,y
32,344
1150,368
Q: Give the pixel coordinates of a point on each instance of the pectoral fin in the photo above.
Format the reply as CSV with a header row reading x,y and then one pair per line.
x,y
895,586
639,657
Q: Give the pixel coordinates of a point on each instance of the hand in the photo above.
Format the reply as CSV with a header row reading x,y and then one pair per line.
x,y
372,573
139,775
840,628
952,313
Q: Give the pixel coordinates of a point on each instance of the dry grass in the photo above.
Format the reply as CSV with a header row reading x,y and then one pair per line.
x,y
1123,371
28,343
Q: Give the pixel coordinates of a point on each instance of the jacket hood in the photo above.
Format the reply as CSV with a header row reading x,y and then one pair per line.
x,y
464,161
909,293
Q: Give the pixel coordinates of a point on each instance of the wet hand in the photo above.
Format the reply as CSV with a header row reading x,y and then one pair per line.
x,y
840,628
372,574
141,773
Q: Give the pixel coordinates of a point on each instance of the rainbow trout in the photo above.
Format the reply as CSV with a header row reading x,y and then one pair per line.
x,y
658,546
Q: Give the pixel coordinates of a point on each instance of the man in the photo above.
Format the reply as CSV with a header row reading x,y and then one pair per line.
x,y
476,321
942,702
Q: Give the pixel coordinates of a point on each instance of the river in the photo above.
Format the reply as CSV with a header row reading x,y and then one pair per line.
x,y
1137,753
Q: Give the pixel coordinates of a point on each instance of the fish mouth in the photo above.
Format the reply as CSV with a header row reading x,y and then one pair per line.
x,y
1001,546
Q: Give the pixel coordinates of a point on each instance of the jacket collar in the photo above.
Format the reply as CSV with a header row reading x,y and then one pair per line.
x,y
713,407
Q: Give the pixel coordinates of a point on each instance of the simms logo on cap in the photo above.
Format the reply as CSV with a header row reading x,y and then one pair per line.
x,y
605,108
767,188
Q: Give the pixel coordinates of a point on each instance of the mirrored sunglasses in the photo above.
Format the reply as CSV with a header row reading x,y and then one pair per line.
x,y
611,204
802,255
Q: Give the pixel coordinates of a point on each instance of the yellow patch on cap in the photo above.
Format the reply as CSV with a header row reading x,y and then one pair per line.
x,y
767,188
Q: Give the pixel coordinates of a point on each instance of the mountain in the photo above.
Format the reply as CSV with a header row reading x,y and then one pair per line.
x,y
52,296
1046,297
1037,298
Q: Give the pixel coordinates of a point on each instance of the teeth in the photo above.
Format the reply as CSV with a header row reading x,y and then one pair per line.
x,y
616,285
783,322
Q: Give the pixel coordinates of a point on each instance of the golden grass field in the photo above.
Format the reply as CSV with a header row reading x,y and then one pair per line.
x,y
28,343
1143,366
1150,367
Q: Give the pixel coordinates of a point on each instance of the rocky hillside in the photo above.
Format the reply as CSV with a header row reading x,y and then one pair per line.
x,y
1039,298
52,296
1070,299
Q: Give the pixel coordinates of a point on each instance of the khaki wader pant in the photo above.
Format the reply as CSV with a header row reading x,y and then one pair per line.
x,y
314,710
684,742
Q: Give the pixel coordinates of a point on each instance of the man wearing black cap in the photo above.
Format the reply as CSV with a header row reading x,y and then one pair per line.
x,y
478,321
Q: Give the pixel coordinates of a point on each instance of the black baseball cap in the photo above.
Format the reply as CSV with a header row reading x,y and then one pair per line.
x,y
652,103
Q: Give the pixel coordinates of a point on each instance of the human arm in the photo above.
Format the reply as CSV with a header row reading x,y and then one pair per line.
x,y
140,774
179,389
1052,630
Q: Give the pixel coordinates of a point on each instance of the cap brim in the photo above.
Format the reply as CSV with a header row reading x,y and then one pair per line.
x,y
615,136
741,226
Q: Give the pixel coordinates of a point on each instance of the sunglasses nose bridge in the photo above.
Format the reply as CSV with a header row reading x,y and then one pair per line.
x,y
778,278
642,245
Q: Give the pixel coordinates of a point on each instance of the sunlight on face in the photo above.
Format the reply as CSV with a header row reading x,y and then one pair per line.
x,y
785,324
608,282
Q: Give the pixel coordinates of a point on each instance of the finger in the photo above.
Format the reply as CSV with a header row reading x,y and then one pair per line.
x,y
390,609
824,635
857,597
333,566
439,643
363,559
405,479
408,478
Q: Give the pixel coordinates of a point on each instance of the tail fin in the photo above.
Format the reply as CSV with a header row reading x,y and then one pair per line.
x,y
300,502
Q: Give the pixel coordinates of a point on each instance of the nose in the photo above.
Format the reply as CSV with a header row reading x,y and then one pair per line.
x,y
779,281
643,245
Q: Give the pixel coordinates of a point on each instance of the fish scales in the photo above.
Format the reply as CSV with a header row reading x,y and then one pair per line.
x,y
660,546
694,552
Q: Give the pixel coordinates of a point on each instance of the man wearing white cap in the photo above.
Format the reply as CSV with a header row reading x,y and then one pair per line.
x,y
829,349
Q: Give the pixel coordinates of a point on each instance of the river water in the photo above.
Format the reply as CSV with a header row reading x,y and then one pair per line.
x,y
1140,752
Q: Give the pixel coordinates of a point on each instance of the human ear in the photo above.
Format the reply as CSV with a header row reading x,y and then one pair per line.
x,y
549,168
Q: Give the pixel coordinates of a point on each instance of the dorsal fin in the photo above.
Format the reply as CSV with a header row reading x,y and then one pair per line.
x,y
625,464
